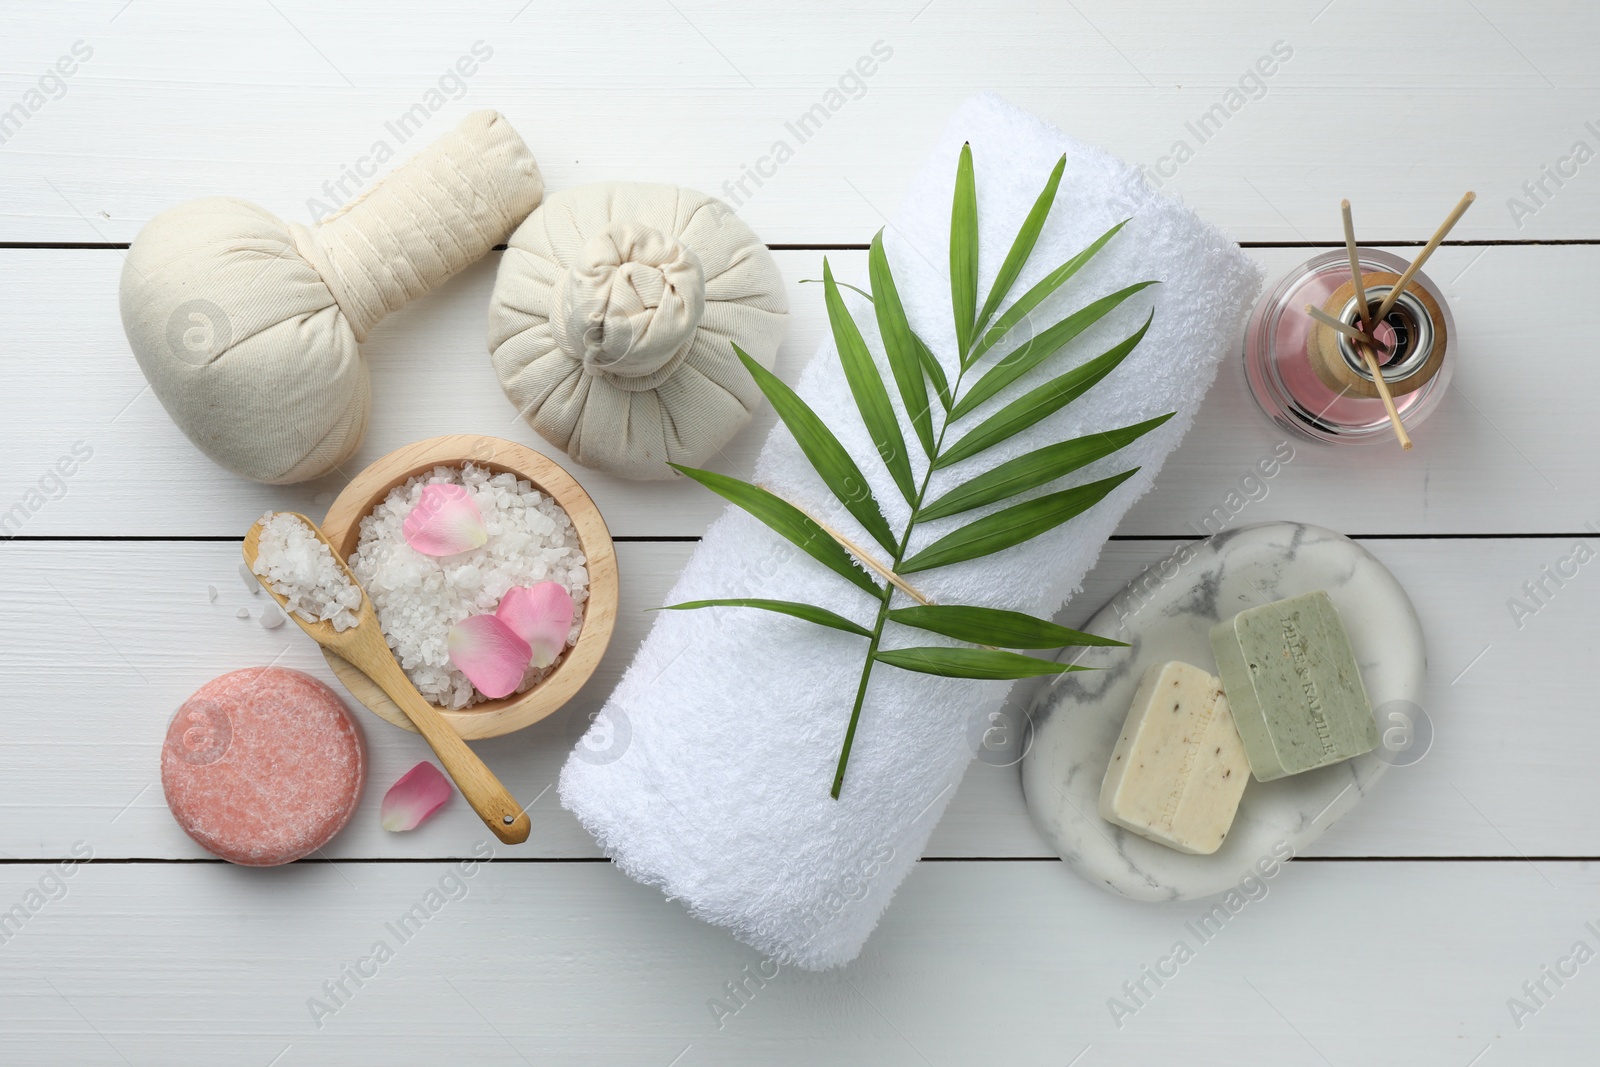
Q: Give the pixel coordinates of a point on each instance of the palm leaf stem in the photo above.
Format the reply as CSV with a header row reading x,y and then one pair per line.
x,y
888,595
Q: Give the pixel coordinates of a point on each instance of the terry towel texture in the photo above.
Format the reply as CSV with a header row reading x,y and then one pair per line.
x,y
733,718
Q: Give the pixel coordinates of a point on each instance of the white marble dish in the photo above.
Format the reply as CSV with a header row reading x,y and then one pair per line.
x,y
1166,613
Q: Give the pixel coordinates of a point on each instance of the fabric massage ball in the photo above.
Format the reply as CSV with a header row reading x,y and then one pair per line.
x,y
248,328
614,318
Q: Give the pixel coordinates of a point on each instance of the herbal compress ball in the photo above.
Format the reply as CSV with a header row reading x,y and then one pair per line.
x,y
248,327
614,320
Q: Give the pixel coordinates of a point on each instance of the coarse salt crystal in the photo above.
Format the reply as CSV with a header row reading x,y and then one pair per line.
x,y
300,567
419,598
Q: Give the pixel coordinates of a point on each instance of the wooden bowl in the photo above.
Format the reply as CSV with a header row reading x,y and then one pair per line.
x,y
491,718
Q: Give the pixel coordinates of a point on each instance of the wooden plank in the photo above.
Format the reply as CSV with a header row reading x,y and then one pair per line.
x,y
104,640
1013,963
999,961
1498,457
185,99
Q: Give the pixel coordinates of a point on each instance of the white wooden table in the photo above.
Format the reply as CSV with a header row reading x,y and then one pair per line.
x,y
1401,939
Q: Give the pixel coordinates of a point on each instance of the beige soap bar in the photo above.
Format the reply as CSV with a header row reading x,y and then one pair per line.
x,y
1179,767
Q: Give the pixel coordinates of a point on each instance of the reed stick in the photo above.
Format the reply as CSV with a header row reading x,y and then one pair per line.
x,y
1346,329
863,556
1383,393
1355,267
1427,250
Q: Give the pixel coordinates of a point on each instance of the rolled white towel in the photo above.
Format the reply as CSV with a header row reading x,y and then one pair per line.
x,y
733,718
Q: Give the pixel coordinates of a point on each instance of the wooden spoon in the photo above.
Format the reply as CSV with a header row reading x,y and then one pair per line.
x,y
363,645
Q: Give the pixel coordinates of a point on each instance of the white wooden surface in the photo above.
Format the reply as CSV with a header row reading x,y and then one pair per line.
x,y
1493,438
1399,940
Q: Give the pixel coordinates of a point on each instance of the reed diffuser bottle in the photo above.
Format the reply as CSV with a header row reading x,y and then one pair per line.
x,y
1311,379
1353,344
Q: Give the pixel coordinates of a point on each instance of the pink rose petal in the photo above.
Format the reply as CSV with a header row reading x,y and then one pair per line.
x,y
489,653
541,615
419,793
445,521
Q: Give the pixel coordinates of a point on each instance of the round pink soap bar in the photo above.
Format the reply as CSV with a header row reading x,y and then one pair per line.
x,y
263,766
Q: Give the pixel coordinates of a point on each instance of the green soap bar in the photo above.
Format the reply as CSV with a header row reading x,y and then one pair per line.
x,y
1293,686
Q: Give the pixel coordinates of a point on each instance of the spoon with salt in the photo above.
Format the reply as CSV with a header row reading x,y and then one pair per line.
x,y
364,647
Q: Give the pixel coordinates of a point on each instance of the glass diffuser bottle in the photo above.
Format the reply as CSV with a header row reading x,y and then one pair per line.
x,y
1313,380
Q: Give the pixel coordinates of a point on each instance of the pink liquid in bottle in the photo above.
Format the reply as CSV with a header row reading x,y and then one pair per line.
x,y
1280,372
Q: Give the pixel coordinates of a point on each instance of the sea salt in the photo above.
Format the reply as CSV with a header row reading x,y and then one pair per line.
x,y
300,567
418,597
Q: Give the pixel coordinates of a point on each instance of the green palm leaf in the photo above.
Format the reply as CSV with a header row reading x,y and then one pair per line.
x,y
1041,348
964,253
833,464
1034,469
899,344
808,612
941,384
867,388
919,376
787,520
1040,403
1012,526
843,285
1047,285
1022,247
992,626
970,662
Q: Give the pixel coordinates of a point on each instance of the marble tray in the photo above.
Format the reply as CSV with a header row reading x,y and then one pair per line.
x,y
1166,613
